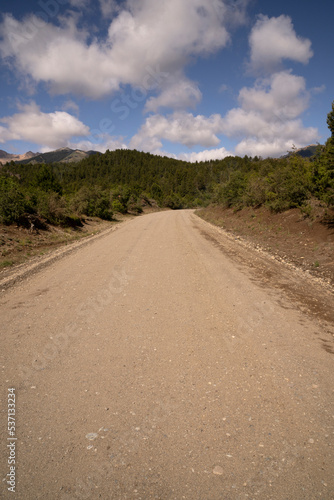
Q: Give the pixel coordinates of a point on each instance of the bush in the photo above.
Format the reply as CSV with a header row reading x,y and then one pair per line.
x,y
52,207
174,202
101,207
92,202
233,193
288,185
117,206
12,200
43,178
323,174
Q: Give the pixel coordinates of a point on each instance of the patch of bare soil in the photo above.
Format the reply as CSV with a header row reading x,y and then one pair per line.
x,y
291,236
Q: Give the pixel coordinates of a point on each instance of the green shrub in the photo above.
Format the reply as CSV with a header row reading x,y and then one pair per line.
x,y
52,207
12,200
174,202
117,206
233,192
93,202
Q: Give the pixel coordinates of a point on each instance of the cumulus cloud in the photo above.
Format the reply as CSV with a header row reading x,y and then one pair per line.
x,y
101,143
206,155
180,127
268,117
144,35
279,140
274,39
282,94
177,94
58,56
267,122
53,130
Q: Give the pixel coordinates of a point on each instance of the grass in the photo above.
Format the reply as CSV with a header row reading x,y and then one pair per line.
x,y
6,263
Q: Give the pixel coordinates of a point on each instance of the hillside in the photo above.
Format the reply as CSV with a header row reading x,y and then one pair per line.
x,y
7,157
307,152
62,155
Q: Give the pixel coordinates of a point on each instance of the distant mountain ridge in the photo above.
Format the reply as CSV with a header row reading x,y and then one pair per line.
x,y
6,157
306,152
62,155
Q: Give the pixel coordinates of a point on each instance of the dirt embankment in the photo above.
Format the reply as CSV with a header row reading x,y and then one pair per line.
x,y
23,251
291,236
19,243
24,248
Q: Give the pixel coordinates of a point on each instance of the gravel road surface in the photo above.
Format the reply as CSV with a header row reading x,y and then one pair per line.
x,y
167,360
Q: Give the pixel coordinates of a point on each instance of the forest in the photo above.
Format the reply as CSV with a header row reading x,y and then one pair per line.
x,y
126,180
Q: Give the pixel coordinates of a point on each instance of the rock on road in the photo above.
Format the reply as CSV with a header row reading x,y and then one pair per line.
x,y
165,360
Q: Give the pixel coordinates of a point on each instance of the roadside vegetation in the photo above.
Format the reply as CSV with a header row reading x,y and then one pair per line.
x,y
124,181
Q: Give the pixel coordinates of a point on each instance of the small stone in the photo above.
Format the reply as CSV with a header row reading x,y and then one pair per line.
x,y
91,436
311,441
219,471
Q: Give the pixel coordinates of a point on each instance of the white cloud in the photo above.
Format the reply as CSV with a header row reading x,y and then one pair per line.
x,y
206,155
101,143
179,94
52,130
279,141
180,127
265,137
148,34
274,39
267,122
283,95
268,119
268,116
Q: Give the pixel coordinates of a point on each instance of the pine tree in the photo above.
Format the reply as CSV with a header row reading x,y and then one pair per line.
x,y
330,120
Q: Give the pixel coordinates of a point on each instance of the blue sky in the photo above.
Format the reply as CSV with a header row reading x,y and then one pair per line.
x,y
193,79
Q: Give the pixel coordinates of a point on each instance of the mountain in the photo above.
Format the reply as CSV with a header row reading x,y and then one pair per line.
x,y
7,157
306,152
62,155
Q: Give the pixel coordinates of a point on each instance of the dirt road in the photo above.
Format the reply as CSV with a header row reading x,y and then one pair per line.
x,y
168,361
